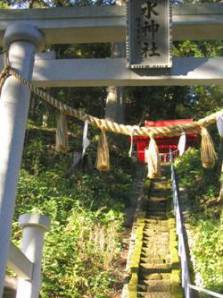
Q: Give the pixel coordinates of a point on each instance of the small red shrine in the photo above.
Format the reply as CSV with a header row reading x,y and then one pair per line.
x,y
165,144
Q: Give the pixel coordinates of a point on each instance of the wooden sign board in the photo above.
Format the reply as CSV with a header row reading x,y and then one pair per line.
x,y
149,34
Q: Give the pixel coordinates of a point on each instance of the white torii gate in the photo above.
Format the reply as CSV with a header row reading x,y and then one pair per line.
x,y
23,33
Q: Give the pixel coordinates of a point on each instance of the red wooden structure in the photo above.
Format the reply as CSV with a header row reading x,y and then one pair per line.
x,y
165,144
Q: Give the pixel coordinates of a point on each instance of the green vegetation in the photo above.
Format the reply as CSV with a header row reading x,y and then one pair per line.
x,y
205,217
86,208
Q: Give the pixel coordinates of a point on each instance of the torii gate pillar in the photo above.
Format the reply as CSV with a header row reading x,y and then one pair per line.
x,y
21,41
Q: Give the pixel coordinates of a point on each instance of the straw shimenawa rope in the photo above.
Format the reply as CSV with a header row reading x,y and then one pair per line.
x,y
3,75
107,125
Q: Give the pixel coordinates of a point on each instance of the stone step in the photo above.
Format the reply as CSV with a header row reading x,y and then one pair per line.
x,y
156,223
158,217
164,177
148,233
154,295
161,185
156,227
160,192
156,210
155,286
156,259
155,238
155,232
157,205
151,220
156,276
156,197
161,206
155,250
149,258
147,246
155,268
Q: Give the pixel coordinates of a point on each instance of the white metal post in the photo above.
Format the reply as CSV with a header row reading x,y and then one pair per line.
x,y
21,41
34,227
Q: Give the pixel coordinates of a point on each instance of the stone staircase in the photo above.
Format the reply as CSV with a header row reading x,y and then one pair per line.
x,y
158,273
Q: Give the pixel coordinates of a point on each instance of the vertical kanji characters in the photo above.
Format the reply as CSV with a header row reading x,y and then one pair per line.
x,y
149,28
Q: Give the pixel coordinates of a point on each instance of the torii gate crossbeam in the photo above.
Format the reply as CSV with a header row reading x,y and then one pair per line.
x,y
108,24
106,72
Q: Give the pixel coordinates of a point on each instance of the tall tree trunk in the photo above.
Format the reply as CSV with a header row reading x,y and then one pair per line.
x,y
114,102
61,134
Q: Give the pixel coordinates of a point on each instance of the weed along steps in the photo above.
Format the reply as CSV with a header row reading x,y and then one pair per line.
x,y
155,266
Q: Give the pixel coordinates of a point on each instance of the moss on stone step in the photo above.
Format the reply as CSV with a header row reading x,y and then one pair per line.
x,y
155,269
135,258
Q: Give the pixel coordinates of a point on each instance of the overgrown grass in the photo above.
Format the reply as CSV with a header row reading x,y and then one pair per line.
x,y
205,217
86,208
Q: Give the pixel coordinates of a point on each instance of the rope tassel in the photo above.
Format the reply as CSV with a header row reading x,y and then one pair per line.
x,y
208,154
103,159
85,141
153,159
133,128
